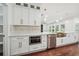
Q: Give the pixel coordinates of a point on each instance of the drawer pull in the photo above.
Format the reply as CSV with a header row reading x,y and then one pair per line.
x,y
20,45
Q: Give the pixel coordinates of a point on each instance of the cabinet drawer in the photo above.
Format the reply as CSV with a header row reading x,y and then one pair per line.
x,y
35,47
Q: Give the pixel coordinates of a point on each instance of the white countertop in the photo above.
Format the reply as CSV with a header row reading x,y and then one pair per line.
x,y
31,34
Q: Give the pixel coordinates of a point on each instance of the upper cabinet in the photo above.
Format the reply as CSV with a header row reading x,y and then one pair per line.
x,y
20,15
17,15
55,28
26,14
1,15
1,19
62,27
52,28
38,17
35,15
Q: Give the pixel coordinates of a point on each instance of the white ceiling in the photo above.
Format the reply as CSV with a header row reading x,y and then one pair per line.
x,y
61,10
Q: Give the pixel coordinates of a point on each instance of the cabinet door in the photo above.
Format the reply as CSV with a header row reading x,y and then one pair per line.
x,y
25,45
32,20
17,15
66,40
59,42
14,46
38,17
57,28
73,38
25,15
36,47
44,41
35,17
69,38
19,45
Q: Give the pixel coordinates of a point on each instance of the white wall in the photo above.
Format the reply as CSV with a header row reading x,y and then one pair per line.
x,y
61,10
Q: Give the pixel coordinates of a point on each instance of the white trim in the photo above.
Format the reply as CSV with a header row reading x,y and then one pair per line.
x,y
1,42
1,33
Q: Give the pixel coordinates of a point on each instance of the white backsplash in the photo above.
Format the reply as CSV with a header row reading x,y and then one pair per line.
x,y
25,29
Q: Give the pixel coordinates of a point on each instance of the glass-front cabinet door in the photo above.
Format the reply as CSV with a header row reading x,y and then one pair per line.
x,y
62,28
57,28
50,28
53,29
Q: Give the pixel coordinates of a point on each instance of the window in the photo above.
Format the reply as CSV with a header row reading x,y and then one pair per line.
x,y
62,27
49,28
18,3
52,28
37,7
26,5
57,28
32,6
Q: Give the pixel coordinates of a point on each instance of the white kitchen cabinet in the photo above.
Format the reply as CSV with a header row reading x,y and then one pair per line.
x,y
25,44
73,38
63,41
35,47
17,15
25,15
34,17
66,41
20,15
44,41
19,45
32,20
59,42
69,39
14,46
38,17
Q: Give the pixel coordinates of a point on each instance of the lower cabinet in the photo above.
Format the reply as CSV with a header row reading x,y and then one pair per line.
x,y
19,45
70,39
63,41
44,41
35,47
59,42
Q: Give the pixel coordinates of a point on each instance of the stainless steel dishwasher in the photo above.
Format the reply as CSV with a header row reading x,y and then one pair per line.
x,y
51,41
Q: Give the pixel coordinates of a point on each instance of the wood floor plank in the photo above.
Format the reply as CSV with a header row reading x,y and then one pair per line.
x,y
71,50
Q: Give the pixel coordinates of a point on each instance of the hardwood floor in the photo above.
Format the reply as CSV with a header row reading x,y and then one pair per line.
x,y
70,50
